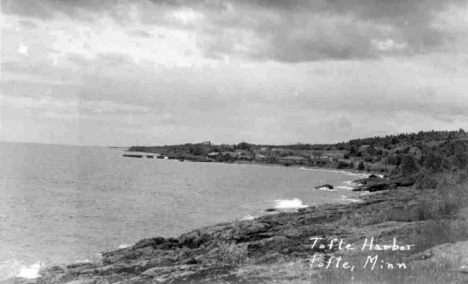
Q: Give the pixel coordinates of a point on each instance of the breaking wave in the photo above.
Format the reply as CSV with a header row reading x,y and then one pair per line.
x,y
345,187
249,217
289,204
14,268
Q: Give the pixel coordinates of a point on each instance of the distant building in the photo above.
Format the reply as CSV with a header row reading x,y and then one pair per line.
x,y
293,160
260,157
213,155
244,157
367,150
227,156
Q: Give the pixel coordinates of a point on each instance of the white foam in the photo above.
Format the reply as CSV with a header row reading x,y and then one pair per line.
x,y
249,217
349,199
83,261
289,204
14,268
30,272
345,187
124,246
326,188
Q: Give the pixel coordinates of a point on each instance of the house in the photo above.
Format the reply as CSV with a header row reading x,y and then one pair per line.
x,y
244,157
367,150
213,155
260,157
227,156
293,160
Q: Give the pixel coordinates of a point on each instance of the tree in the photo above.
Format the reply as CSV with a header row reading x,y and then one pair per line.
x,y
461,158
342,165
432,161
409,165
361,166
243,146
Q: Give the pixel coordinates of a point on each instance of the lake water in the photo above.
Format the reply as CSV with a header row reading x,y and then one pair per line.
x,y
66,203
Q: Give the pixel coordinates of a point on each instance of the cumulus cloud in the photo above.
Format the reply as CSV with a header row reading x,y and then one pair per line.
x,y
286,31
266,71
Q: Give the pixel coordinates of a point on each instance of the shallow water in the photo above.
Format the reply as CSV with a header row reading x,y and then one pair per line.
x,y
66,203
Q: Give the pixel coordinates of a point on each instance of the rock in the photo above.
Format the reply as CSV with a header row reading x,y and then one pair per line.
x,y
149,242
271,210
218,253
374,183
325,186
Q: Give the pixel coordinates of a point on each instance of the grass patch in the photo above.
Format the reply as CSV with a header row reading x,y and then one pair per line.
x,y
390,269
233,254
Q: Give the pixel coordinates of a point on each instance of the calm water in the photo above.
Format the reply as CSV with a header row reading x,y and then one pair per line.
x,y
66,203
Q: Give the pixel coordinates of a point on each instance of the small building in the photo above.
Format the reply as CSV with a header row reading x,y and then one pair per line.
x,y
244,157
227,156
367,150
260,157
293,160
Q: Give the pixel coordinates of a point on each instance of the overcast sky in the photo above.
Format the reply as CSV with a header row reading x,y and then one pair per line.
x,y
150,72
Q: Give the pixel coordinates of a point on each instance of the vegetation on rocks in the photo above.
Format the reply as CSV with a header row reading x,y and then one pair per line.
x,y
414,230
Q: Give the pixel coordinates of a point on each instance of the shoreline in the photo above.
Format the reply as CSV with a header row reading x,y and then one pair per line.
x,y
209,253
253,162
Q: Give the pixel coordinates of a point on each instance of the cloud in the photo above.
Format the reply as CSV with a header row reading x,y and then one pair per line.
x,y
299,31
140,34
286,31
49,9
23,49
29,25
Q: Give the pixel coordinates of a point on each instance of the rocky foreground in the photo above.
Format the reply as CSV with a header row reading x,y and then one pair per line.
x,y
275,248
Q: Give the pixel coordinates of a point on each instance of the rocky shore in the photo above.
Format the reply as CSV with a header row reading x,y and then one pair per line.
x,y
276,248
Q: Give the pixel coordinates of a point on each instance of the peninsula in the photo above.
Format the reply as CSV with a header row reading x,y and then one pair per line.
x,y
412,230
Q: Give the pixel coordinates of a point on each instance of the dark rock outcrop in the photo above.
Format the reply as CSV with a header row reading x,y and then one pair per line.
x,y
236,252
325,186
374,183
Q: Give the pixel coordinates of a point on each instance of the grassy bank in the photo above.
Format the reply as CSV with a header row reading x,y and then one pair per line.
x,y
439,218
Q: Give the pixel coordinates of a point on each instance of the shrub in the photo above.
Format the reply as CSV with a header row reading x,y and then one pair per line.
x,y
409,165
427,180
361,166
342,165
233,254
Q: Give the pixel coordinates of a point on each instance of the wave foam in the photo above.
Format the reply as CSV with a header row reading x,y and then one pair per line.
x,y
124,246
30,272
14,268
345,187
324,188
249,217
349,199
289,204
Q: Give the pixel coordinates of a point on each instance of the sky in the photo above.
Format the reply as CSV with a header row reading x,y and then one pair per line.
x,y
154,72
